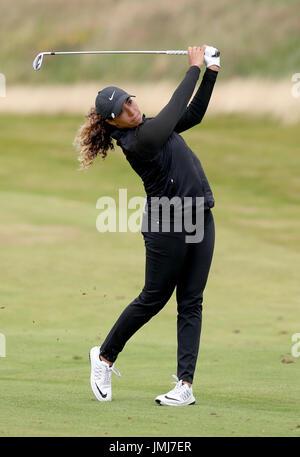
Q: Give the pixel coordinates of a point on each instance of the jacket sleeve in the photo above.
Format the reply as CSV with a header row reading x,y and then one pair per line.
x,y
154,133
198,106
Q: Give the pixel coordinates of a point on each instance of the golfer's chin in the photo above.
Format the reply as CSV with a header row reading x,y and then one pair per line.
x,y
137,120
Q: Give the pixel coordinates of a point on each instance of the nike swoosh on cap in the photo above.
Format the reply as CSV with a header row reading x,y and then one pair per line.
x,y
112,96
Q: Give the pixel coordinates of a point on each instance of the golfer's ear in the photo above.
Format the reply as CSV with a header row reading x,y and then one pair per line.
x,y
110,121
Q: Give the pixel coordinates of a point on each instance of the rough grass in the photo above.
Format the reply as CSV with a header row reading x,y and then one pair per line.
x,y
63,284
258,37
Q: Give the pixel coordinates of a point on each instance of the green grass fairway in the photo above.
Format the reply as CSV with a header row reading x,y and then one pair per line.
x,y
63,284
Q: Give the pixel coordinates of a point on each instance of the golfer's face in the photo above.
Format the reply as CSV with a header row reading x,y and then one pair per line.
x,y
130,116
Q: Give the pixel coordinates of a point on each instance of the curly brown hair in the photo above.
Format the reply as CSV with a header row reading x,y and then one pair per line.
x,y
92,139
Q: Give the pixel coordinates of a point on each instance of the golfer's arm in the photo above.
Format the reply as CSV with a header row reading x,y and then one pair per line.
x,y
198,106
154,133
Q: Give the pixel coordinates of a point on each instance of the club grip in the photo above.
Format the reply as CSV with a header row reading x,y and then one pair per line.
x,y
177,52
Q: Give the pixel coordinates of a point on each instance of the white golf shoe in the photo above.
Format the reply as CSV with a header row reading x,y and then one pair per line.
x,y
101,376
181,395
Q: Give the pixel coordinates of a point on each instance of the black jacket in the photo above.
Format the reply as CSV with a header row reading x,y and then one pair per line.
x,y
157,152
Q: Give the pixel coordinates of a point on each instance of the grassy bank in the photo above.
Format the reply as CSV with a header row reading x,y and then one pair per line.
x,y
259,37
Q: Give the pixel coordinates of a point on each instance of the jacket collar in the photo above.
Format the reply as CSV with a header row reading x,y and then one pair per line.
x,y
117,133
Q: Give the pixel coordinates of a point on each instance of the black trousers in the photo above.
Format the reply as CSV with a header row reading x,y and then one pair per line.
x,y
170,263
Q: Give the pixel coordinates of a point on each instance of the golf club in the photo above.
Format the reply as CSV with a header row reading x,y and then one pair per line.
x,y
37,63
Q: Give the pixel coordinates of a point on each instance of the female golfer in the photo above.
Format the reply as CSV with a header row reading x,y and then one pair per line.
x,y
168,168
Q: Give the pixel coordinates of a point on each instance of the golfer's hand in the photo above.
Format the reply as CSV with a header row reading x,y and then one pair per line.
x,y
212,58
196,55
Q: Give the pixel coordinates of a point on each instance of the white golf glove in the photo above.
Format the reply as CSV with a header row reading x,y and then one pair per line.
x,y
211,56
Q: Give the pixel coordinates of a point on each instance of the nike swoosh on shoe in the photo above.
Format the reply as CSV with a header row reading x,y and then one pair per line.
x,y
169,398
102,395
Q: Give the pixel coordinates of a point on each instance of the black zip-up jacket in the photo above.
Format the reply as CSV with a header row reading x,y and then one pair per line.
x,y
159,155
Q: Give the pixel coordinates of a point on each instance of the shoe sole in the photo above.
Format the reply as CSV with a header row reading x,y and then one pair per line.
x,y
159,402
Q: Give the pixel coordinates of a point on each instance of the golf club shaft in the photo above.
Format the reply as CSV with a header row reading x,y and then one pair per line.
x,y
180,52
37,63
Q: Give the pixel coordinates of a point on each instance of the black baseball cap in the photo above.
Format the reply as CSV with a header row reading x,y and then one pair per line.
x,y
109,101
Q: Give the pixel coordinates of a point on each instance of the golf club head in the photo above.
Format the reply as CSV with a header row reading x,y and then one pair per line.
x,y
37,63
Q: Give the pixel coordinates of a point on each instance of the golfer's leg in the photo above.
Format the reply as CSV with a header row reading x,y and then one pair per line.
x,y
189,296
164,257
